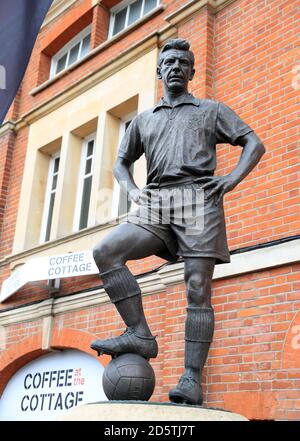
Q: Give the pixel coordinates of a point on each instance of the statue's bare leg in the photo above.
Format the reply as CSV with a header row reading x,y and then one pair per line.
x,y
199,329
126,242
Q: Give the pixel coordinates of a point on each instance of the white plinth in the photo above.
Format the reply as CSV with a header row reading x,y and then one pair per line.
x,y
144,411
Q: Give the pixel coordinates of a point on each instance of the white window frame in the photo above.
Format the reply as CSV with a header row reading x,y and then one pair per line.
x,y
67,49
48,194
125,4
81,178
116,188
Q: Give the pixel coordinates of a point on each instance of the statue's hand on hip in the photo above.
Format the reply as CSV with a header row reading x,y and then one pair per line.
x,y
217,186
135,195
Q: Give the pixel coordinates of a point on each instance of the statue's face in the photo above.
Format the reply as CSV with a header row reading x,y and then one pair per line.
x,y
176,70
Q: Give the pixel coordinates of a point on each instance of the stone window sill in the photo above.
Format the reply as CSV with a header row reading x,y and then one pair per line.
x,y
36,251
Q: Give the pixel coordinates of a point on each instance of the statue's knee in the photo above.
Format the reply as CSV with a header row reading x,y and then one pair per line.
x,y
101,254
107,257
198,298
198,291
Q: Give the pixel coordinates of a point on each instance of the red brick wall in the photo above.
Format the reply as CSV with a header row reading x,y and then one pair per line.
x,y
6,148
100,25
245,56
255,53
11,188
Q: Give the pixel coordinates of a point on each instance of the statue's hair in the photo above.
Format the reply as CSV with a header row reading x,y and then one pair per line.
x,y
179,44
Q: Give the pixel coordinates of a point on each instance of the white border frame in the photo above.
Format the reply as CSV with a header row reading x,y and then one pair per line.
x,y
92,136
66,50
124,4
48,195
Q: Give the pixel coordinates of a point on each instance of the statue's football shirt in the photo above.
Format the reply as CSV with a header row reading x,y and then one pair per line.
x,y
180,142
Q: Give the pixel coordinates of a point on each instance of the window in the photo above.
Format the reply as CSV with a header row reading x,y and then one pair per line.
x,y
121,201
68,136
75,50
128,12
85,184
50,198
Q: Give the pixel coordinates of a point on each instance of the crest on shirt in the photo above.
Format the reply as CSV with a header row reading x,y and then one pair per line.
x,y
195,122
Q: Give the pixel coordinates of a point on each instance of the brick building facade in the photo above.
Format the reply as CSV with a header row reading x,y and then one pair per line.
x,y
247,57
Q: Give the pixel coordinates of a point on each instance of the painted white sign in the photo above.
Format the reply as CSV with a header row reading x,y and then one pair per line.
x,y
45,388
49,267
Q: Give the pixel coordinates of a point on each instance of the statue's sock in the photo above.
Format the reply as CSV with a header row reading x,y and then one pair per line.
x,y
124,291
199,330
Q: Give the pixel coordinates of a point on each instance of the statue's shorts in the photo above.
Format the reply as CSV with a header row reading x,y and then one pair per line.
x,y
190,224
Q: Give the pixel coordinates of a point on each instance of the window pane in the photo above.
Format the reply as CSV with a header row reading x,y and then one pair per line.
x,y
56,165
85,46
149,5
54,182
85,203
61,64
50,215
90,148
135,11
88,166
120,19
74,54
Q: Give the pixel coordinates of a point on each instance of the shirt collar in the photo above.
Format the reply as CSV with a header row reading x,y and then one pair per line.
x,y
186,99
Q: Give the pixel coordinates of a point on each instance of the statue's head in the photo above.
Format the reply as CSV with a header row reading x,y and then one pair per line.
x,y
176,65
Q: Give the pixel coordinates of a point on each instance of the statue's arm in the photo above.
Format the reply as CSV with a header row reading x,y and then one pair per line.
x,y
125,179
253,150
